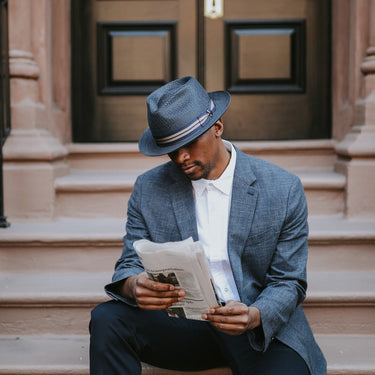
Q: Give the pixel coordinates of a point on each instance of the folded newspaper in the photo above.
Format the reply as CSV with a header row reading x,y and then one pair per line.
x,y
184,265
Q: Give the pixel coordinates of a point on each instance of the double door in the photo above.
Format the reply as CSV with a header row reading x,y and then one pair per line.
x,y
272,56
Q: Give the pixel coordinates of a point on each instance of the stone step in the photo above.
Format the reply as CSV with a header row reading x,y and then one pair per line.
x,y
87,193
94,245
122,156
54,303
337,243
58,303
68,354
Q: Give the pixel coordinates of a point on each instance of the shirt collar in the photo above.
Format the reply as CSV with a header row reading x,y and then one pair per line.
x,y
224,182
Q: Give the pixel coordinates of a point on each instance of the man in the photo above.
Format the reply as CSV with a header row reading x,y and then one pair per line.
x,y
251,217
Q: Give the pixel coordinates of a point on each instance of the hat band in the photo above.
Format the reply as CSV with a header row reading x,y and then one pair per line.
x,y
190,128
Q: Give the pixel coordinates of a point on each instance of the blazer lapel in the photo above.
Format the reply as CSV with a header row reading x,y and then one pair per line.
x,y
184,207
243,204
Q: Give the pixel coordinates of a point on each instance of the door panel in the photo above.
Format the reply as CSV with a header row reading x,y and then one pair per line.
x,y
124,50
273,56
274,60
133,59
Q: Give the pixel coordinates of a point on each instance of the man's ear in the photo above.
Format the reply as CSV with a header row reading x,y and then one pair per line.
x,y
219,127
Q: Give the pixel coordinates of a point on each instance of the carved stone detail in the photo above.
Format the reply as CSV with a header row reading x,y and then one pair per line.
x,y
23,65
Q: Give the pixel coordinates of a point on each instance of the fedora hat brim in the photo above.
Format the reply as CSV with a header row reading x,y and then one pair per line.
x,y
148,146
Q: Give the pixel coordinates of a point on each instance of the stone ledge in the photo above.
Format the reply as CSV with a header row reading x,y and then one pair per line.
x,y
86,288
106,231
99,180
85,192
96,181
68,354
288,154
279,146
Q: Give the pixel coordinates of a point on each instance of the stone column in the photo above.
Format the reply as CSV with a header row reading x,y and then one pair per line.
x,y
33,155
356,152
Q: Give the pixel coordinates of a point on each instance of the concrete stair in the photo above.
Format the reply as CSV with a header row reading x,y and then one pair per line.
x,y
94,245
52,273
102,175
85,193
68,354
310,154
60,303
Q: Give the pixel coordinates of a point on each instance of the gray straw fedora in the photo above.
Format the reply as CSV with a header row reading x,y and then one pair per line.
x,y
178,113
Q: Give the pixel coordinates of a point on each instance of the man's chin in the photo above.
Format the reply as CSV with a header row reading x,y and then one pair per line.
x,y
194,178
195,175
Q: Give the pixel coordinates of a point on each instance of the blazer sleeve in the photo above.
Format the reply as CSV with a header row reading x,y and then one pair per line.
x,y
285,281
129,264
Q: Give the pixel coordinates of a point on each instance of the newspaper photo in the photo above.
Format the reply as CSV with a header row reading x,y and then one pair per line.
x,y
184,265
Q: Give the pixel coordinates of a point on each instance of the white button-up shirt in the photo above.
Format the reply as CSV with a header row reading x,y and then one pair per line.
x,y
212,206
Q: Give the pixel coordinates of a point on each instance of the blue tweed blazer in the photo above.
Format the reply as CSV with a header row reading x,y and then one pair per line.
x,y
267,243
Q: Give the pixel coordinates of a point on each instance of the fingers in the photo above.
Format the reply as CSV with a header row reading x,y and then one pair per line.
x,y
234,325
156,300
233,318
153,295
145,282
231,308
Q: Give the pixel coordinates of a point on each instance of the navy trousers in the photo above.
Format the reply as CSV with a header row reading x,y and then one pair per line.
x,y
123,336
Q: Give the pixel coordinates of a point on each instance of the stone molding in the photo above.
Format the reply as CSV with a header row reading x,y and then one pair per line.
x,y
30,138
356,152
359,143
368,65
23,65
33,145
33,155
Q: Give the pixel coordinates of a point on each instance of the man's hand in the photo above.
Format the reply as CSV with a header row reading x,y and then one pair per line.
x,y
234,318
151,295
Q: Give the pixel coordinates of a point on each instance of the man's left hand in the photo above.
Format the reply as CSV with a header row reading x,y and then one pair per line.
x,y
234,318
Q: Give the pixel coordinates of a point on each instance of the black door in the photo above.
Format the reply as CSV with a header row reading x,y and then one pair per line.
x,y
273,56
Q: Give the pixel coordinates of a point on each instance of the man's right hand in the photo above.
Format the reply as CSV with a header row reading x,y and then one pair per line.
x,y
151,295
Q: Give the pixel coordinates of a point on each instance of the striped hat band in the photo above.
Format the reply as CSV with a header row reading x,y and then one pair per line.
x,y
192,127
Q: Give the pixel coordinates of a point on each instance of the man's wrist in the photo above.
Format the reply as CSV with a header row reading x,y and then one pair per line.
x,y
128,287
254,318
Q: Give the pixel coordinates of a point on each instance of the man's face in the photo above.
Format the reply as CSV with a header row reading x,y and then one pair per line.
x,y
198,159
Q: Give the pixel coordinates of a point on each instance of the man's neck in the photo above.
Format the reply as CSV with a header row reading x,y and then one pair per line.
x,y
222,161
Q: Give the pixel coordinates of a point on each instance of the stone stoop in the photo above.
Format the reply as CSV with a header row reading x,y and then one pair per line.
x,y
101,176
313,154
89,193
60,303
53,273
68,354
